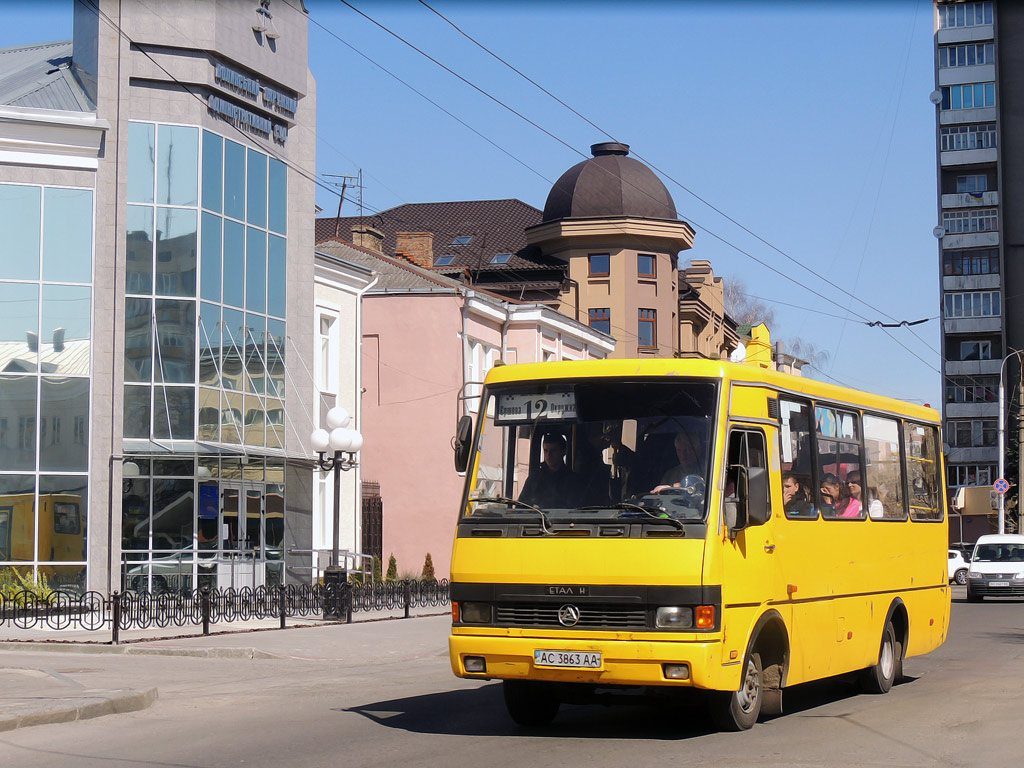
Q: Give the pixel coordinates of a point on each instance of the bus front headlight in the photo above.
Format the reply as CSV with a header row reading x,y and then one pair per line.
x,y
475,613
673,617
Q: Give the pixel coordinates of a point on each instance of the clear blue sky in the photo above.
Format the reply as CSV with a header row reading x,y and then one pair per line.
x,y
806,122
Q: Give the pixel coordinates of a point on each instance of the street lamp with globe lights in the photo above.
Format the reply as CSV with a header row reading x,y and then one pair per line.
x,y
344,443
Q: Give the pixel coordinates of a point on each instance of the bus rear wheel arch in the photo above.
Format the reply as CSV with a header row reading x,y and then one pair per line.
x,y
888,668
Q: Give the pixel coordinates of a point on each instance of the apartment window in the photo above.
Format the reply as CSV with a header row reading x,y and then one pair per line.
x,y
646,265
984,261
959,475
647,328
972,389
972,304
601,320
968,96
325,362
977,182
598,265
975,350
962,222
971,433
966,55
965,14
978,136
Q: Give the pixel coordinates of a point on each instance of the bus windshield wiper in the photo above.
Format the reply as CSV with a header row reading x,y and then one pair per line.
x,y
650,512
544,522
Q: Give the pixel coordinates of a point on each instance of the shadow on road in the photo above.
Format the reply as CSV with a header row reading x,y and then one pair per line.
x,y
481,712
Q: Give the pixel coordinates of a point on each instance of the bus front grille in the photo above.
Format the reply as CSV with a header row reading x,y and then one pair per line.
x,y
591,616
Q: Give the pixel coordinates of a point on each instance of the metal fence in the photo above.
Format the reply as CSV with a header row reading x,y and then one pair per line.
x,y
145,610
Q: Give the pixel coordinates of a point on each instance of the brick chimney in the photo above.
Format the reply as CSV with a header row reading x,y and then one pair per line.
x,y
417,247
367,237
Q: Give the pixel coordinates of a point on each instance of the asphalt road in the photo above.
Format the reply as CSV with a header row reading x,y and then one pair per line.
x,y
382,694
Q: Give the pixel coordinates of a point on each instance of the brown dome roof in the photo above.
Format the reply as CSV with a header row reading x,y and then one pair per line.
x,y
609,184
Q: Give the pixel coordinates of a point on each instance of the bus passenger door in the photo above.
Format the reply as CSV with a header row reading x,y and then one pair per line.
x,y
751,574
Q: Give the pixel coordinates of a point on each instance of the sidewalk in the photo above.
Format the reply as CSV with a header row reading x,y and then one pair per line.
x,y
32,692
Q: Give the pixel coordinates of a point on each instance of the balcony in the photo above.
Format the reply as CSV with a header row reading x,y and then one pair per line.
x,y
978,73
967,156
968,240
979,455
971,282
965,34
967,200
972,325
972,367
976,115
972,411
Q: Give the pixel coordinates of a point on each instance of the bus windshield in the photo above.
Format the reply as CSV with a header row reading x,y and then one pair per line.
x,y
594,448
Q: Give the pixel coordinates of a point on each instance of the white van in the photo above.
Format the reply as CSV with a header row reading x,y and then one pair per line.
x,y
997,567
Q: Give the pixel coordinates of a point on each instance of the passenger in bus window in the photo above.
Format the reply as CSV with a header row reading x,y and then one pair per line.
x,y
849,505
875,509
794,497
829,494
689,447
552,484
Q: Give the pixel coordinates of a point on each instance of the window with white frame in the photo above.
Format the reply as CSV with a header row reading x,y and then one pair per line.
x,y
972,304
972,389
971,433
959,475
976,136
482,357
974,182
968,96
966,55
963,222
965,14
327,373
975,350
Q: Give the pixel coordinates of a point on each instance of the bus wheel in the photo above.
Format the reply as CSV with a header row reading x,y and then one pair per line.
x,y
879,677
739,710
530,702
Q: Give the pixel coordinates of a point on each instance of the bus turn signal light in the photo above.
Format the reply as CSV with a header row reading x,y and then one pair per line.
x,y
705,616
455,612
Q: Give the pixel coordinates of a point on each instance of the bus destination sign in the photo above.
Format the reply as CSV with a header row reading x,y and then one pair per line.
x,y
520,408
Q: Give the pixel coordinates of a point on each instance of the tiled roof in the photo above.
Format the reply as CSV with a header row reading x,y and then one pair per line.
x,y
493,226
39,76
392,274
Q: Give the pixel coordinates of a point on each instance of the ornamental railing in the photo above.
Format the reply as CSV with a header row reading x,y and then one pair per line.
x,y
143,610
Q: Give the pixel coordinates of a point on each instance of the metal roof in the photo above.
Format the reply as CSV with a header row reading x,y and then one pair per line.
x,y
40,77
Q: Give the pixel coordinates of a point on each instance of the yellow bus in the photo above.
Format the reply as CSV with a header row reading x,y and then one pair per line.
x,y
682,525
61,527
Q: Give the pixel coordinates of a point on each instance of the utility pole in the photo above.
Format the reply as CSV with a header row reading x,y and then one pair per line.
x,y
344,185
1020,447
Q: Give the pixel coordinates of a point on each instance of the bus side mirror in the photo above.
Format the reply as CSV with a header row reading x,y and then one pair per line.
x,y
757,496
463,443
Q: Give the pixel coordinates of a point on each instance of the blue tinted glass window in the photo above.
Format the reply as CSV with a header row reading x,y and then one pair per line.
x,y
232,340
67,235
255,354
213,171
598,264
141,162
210,257
177,168
19,222
444,261
65,328
137,410
174,413
256,213
19,325
176,341
209,344
276,278
138,341
234,180
176,248
138,276
275,357
990,94
278,214
234,264
256,270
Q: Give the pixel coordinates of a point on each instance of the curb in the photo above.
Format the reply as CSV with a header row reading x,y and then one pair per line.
x,y
85,707
136,650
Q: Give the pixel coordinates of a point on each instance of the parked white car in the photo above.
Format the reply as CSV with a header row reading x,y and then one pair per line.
x,y
997,567
957,567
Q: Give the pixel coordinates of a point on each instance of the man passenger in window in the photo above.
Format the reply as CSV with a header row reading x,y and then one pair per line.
x,y
552,484
689,448
794,497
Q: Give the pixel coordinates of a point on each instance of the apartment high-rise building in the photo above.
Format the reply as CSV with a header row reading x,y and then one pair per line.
x,y
978,72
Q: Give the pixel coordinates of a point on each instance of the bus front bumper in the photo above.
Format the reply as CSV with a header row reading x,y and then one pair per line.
x,y
623,662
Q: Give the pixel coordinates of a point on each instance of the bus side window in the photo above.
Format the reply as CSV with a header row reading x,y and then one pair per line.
x,y
746,450
795,451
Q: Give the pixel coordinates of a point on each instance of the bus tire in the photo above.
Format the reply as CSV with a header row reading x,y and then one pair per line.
x,y
739,710
529,702
879,677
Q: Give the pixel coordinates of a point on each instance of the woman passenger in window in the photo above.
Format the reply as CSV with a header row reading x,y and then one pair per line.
x,y
848,505
794,497
856,489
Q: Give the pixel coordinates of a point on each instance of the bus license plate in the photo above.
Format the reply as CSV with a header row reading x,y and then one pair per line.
x,y
999,583
573,659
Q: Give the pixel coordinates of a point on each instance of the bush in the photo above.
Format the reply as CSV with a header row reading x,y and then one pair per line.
x,y
376,569
20,589
428,569
392,574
